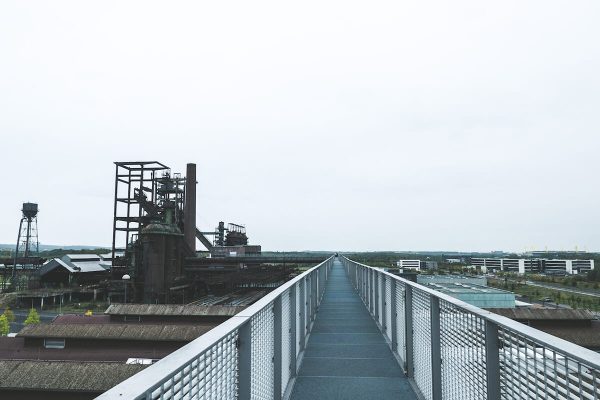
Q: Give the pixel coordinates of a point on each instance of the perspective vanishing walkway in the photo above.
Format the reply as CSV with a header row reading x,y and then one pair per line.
x,y
347,356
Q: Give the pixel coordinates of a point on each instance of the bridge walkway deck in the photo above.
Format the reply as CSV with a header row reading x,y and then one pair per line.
x,y
346,356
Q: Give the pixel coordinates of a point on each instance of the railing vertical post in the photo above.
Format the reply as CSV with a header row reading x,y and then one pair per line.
x,y
360,282
293,340
315,295
277,343
301,312
384,305
245,361
492,360
376,282
394,316
408,333
307,308
366,285
436,348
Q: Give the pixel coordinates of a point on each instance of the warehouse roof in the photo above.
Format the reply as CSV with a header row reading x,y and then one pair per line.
x,y
583,336
61,375
544,313
172,310
452,288
164,333
74,265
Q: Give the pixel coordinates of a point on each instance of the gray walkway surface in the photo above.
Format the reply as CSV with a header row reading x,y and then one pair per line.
x,y
347,356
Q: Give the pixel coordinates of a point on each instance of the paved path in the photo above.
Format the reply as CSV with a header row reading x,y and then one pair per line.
x,y
346,356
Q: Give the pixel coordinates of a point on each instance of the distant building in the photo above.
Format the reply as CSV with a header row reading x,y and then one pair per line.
x,y
460,279
540,265
416,265
91,354
429,265
477,295
61,380
455,260
409,264
80,268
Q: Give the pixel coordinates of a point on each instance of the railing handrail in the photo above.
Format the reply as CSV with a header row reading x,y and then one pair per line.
x,y
557,344
139,384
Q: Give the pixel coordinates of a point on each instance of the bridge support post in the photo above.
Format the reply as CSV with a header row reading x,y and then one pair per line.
x,y
245,361
492,361
436,348
277,343
394,315
293,340
408,330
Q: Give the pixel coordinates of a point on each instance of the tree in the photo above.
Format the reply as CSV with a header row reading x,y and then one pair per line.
x,y
4,326
10,316
33,317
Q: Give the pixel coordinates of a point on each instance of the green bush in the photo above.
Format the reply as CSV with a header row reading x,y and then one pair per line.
x,y
4,326
10,316
33,317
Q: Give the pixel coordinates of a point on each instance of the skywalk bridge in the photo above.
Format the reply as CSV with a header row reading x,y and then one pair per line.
x,y
344,330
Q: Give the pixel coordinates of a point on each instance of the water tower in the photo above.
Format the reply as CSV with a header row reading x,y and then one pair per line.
x,y
27,241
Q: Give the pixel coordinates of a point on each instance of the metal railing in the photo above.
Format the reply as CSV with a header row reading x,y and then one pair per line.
x,y
453,350
255,354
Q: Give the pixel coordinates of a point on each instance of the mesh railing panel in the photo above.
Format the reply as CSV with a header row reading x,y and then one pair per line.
x,y
210,376
286,339
400,321
422,342
462,336
388,308
262,373
528,370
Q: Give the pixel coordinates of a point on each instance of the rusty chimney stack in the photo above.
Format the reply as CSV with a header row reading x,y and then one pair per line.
x,y
189,218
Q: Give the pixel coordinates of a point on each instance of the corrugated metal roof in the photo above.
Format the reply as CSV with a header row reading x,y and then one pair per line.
x,y
165,333
583,336
55,263
65,376
75,267
75,257
172,310
91,266
544,313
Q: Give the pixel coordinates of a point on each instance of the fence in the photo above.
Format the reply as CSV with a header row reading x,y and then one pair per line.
x,y
453,350
254,355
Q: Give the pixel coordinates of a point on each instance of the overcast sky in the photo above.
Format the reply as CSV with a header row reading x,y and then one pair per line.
x,y
394,125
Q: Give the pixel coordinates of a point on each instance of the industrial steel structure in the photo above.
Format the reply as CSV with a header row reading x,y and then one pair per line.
x,y
154,228
26,258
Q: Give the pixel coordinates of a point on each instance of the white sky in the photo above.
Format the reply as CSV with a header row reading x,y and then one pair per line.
x,y
351,125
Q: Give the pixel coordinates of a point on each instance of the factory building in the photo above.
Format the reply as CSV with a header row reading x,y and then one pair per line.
x,y
75,268
78,357
534,265
577,326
